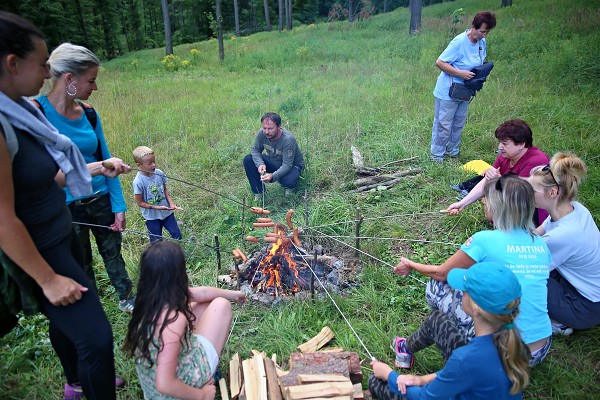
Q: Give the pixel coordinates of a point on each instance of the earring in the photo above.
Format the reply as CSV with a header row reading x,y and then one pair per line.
x,y
73,89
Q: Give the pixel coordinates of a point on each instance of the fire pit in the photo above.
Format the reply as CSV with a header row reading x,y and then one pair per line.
x,y
283,269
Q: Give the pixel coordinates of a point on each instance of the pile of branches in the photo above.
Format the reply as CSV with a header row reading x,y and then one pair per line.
x,y
381,178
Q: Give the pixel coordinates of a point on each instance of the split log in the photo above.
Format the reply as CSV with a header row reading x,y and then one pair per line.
x,y
311,378
318,341
358,392
235,378
320,390
324,363
255,380
223,389
274,390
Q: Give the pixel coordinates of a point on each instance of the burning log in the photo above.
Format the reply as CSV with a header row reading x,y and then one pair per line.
x,y
318,341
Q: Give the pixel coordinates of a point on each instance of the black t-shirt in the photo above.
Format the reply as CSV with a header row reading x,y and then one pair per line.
x,y
39,201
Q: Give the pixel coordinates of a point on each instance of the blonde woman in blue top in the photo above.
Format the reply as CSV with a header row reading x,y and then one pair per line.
x,y
73,71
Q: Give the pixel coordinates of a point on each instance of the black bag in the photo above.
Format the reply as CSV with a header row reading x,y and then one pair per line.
x,y
481,73
458,91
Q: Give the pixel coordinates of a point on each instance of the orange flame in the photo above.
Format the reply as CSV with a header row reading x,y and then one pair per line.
x,y
273,266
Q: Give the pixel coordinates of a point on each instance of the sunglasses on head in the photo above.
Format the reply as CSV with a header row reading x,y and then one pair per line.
x,y
499,181
549,170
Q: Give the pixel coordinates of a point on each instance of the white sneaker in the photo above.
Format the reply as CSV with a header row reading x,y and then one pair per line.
x,y
289,192
560,329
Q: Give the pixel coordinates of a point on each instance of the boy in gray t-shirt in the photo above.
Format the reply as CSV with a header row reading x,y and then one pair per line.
x,y
152,196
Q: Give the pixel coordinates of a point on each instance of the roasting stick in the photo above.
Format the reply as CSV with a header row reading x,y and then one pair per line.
x,y
353,221
390,238
366,254
334,303
109,165
239,311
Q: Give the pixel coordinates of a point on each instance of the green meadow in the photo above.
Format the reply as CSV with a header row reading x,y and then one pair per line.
x,y
367,84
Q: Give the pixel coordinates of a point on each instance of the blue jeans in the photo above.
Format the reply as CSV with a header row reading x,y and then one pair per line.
x,y
155,227
287,181
449,118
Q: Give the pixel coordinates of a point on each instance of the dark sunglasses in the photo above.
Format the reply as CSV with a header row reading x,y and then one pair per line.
x,y
549,170
499,181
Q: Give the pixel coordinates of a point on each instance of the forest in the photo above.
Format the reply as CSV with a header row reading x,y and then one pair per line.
x,y
112,28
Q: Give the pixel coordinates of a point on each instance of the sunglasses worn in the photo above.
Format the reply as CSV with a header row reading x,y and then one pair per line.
x,y
549,170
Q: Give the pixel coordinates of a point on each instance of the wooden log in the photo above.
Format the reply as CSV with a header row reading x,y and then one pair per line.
x,y
235,378
318,341
321,389
259,365
223,389
314,361
358,392
273,388
251,380
323,365
314,378
332,350
357,159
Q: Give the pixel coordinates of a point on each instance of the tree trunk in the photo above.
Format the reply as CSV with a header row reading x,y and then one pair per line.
x,y
506,3
167,24
385,6
267,18
281,15
220,31
236,14
86,39
415,16
350,10
289,15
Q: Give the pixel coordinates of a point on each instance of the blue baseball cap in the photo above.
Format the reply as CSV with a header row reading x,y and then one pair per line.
x,y
492,286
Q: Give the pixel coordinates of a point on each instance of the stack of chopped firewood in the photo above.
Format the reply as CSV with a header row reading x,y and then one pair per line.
x,y
329,374
379,178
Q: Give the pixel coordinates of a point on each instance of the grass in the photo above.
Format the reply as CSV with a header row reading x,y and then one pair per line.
x,y
366,84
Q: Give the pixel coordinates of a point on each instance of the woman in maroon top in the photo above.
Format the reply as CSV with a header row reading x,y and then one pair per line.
x,y
516,154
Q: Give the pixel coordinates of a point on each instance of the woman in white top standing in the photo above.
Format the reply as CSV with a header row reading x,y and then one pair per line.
x,y
574,242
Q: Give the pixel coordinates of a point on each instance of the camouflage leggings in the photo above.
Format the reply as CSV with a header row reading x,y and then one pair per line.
x,y
380,390
438,329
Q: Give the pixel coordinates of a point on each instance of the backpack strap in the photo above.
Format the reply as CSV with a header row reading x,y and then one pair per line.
x,y
9,135
90,113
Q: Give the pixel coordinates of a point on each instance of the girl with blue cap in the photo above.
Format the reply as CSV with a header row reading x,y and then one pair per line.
x,y
494,365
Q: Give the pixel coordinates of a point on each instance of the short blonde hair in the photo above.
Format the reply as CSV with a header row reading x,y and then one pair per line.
x,y
141,152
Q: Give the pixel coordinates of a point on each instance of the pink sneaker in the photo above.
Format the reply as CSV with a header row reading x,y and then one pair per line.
x,y
75,392
404,358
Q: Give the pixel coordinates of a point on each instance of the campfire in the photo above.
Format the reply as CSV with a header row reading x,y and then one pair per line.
x,y
283,269
276,271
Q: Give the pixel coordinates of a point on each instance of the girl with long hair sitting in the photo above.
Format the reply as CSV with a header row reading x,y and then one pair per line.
x,y
176,332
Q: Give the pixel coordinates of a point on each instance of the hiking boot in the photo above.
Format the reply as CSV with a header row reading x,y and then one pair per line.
x,y
404,358
127,305
289,192
560,329
75,392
